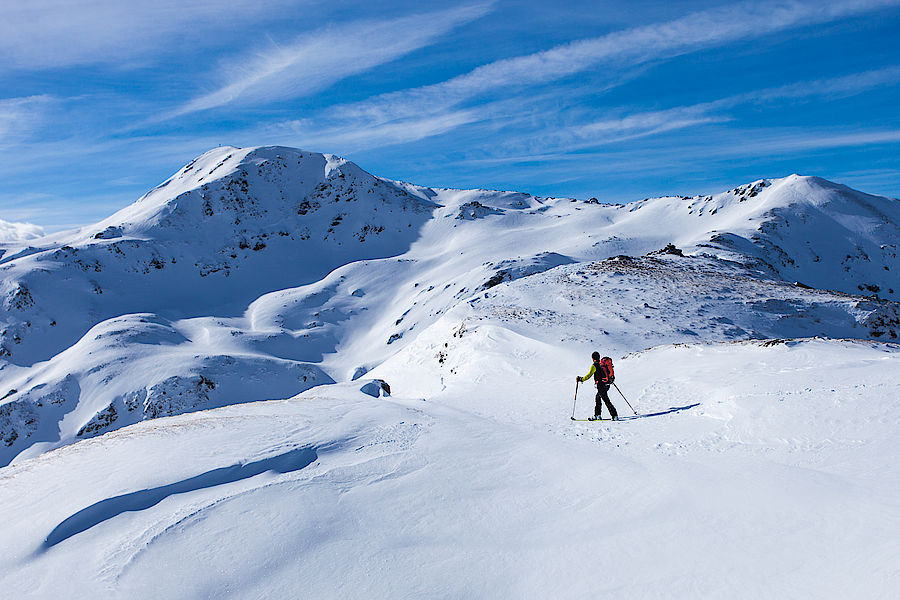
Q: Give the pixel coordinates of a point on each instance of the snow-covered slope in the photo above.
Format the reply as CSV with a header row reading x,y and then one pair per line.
x,y
814,231
427,340
230,226
755,470
258,273
138,367
797,228
622,305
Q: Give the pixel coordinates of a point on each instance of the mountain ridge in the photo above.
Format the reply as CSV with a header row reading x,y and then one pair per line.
x,y
300,269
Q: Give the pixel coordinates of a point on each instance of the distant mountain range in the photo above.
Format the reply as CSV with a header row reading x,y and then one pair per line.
x,y
258,273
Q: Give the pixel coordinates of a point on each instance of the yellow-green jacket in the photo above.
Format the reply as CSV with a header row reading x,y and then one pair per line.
x,y
590,374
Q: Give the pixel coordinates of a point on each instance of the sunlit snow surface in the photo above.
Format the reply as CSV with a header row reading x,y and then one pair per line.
x,y
165,339
760,470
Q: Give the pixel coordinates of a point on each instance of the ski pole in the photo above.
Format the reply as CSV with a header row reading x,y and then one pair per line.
x,y
623,397
576,399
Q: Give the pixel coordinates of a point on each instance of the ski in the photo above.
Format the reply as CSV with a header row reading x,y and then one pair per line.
x,y
603,419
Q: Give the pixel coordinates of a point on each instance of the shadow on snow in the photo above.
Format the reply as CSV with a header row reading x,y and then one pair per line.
x,y
104,510
661,413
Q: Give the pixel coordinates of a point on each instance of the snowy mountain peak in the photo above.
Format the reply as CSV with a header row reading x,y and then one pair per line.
x,y
228,227
299,268
809,229
266,184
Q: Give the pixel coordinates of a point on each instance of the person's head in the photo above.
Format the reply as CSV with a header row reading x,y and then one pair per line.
x,y
595,356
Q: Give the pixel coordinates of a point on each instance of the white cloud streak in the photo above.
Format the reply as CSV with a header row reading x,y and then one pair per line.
x,y
316,61
803,141
620,49
838,87
652,122
711,148
620,125
644,124
353,138
19,116
41,34
563,141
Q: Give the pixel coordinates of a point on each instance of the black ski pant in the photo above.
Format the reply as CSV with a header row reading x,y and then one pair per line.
x,y
603,398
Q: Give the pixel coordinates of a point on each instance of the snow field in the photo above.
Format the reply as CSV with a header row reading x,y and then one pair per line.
x,y
761,464
768,483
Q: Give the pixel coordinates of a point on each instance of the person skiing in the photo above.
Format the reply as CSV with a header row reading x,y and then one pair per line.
x,y
604,376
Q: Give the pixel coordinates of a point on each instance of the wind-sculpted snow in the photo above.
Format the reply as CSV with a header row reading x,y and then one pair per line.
x,y
107,509
17,233
751,457
258,273
140,367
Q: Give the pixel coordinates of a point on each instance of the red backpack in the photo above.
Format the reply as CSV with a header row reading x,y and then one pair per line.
x,y
605,373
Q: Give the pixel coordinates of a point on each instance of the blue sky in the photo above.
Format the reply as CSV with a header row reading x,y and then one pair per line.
x,y
101,100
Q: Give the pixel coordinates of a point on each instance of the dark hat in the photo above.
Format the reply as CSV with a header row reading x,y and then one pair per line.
x,y
595,355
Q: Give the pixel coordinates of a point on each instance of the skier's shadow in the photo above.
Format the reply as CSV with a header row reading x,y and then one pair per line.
x,y
104,510
671,410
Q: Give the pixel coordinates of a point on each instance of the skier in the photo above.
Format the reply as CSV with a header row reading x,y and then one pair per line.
x,y
603,378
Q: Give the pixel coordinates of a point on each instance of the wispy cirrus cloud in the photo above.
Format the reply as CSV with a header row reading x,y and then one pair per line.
x,y
312,135
42,34
623,125
19,116
335,130
618,50
802,140
618,125
536,127
836,87
315,61
699,151
641,124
